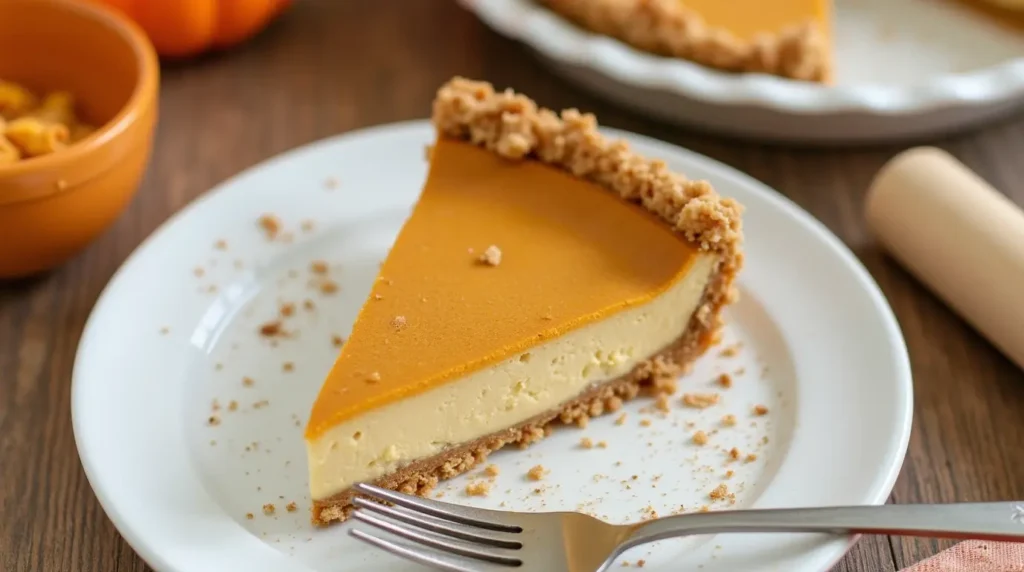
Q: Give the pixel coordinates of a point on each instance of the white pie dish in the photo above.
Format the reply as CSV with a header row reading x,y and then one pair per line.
x,y
906,69
161,345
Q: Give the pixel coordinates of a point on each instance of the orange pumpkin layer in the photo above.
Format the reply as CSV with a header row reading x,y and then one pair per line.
x,y
436,312
747,19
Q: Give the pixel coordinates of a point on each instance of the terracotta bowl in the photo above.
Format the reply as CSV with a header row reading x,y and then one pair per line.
x,y
52,206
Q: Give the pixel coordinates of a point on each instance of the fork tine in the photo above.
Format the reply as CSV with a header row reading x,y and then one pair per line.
x,y
436,525
420,557
436,541
441,510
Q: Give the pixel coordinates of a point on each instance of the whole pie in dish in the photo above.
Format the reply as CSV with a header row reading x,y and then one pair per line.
x,y
788,38
545,275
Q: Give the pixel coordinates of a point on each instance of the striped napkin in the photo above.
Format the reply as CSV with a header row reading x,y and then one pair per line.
x,y
975,556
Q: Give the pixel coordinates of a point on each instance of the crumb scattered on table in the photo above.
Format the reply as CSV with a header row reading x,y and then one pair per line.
x,y
700,438
213,421
735,454
492,470
760,410
536,473
247,381
337,341
586,443
287,309
725,380
621,419
720,492
269,509
221,244
288,366
729,420
249,516
291,507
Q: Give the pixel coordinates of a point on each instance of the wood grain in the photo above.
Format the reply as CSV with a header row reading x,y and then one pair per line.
x,y
330,67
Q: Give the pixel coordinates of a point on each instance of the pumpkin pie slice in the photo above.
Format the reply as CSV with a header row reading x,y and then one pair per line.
x,y
788,38
546,275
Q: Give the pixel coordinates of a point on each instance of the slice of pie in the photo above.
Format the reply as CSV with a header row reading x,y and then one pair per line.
x,y
788,38
546,274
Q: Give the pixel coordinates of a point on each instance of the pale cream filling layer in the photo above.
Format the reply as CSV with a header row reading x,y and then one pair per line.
x,y
507,394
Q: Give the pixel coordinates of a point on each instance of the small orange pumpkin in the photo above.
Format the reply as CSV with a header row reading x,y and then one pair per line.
x,y
181,28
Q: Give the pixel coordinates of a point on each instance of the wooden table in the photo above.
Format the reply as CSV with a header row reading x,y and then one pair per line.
x,y
331,66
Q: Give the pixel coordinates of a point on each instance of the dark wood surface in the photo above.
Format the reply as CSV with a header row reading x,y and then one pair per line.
x,y
329,67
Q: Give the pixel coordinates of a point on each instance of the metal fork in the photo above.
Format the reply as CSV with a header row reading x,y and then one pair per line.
x,y
464,539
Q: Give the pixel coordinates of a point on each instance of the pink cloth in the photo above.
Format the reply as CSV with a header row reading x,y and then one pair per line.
x,y
975,556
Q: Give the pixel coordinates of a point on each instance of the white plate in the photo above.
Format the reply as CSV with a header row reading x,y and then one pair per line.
x,y
905,69
821,349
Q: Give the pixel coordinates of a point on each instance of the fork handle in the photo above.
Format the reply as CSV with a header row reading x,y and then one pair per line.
x,y
984,521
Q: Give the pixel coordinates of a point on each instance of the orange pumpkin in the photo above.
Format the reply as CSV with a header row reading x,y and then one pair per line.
x,y
181,28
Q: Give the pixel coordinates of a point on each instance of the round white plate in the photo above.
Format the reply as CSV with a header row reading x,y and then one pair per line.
x,y
178,327
905,69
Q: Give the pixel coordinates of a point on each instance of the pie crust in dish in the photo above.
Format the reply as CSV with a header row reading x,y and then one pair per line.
x,y
610,278
787,38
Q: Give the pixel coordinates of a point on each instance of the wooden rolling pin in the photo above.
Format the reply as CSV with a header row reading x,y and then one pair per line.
x,y
959,236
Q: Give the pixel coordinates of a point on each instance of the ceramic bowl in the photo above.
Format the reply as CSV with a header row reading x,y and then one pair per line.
x,y
52,206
